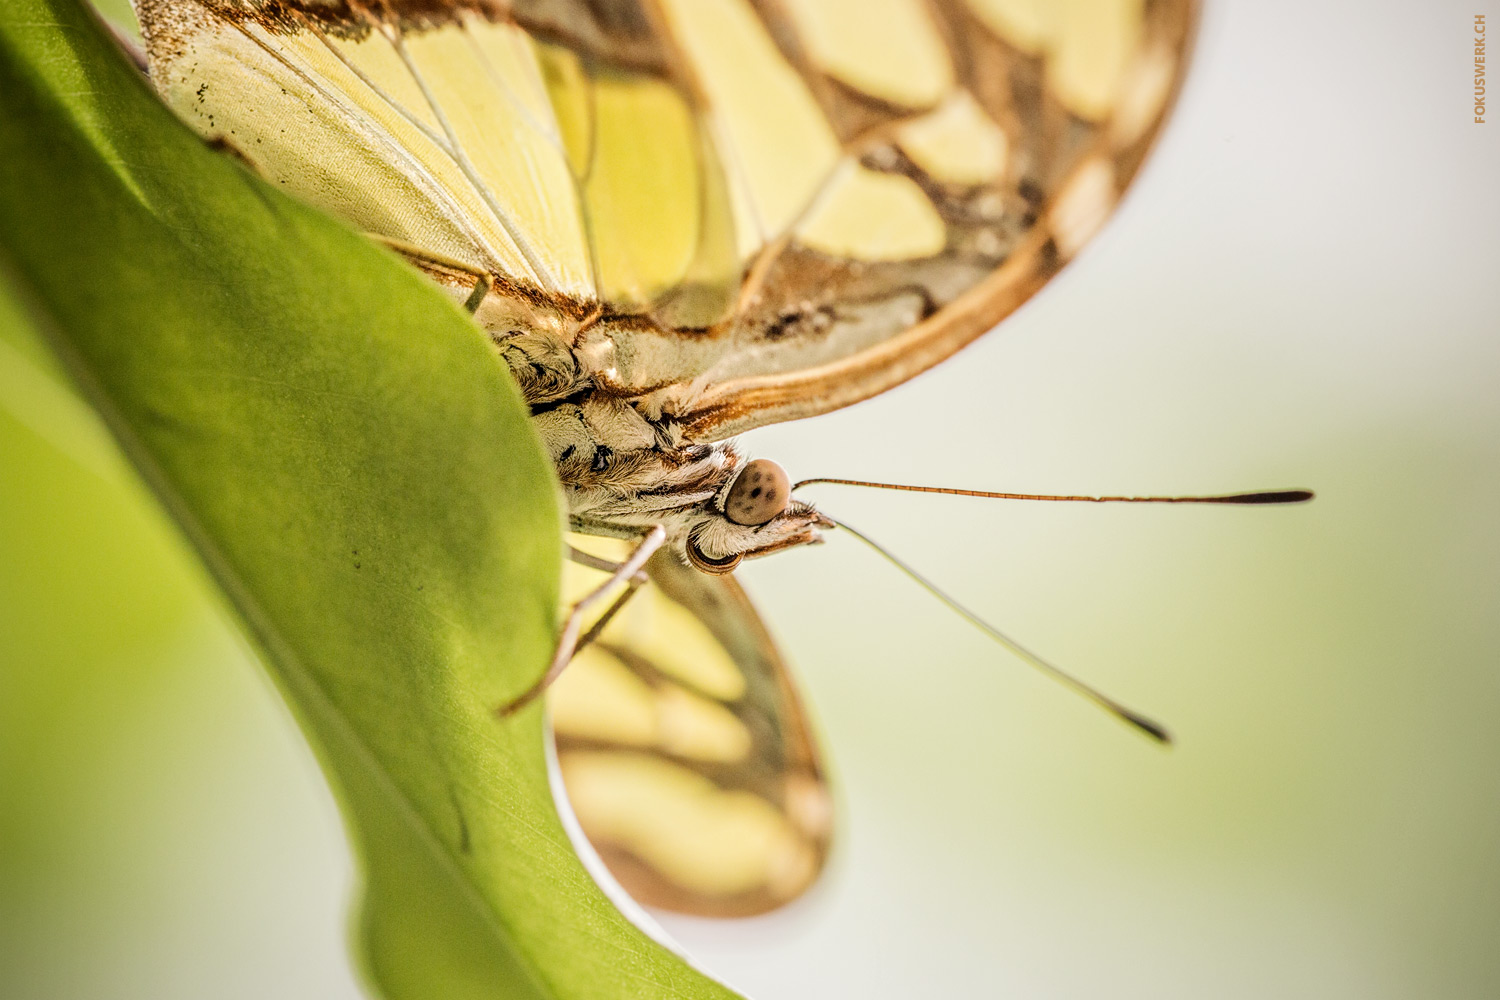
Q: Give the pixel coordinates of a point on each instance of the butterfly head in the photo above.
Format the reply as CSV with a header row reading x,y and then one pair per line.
x,y
754,514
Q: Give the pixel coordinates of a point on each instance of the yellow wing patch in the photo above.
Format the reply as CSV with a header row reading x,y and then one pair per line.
x,y
782,144
694,835
867,215
643,183
670,636
683,748
483,82
888,49
1087,44
957,143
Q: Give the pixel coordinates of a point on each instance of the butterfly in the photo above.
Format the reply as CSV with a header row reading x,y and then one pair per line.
x,y
679,220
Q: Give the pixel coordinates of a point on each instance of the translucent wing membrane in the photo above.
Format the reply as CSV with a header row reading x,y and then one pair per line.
x,y
684,751
441,139
747,210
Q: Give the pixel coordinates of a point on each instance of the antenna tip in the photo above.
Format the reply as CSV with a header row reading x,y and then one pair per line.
x,y
1155,730
1274,496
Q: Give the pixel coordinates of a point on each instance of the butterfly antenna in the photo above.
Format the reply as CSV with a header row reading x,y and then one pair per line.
x,y
1260,497
1153,729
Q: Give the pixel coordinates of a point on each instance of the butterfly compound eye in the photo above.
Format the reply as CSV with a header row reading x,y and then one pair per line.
x,y
762,490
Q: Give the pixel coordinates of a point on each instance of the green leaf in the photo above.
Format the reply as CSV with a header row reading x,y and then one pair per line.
x,y
359,476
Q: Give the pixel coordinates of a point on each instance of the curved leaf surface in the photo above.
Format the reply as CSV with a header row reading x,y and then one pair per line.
x,y
359,476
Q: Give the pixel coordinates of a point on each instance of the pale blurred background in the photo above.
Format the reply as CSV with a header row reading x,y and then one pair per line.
x,y
1301,291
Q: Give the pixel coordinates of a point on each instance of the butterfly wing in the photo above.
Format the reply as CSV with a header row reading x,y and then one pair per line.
x,y
747,210
907,173
684,751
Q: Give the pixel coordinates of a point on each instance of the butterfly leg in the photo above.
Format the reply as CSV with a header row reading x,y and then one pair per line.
x,y
639,580
429,260
481,289
568,641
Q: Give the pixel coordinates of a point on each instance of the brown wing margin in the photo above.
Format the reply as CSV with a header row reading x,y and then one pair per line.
x,y
710,834
732,407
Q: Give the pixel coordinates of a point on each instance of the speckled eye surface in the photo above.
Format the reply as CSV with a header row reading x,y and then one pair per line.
x,y
762,490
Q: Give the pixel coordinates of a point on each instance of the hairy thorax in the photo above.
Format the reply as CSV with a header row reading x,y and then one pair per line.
x,y
625,464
